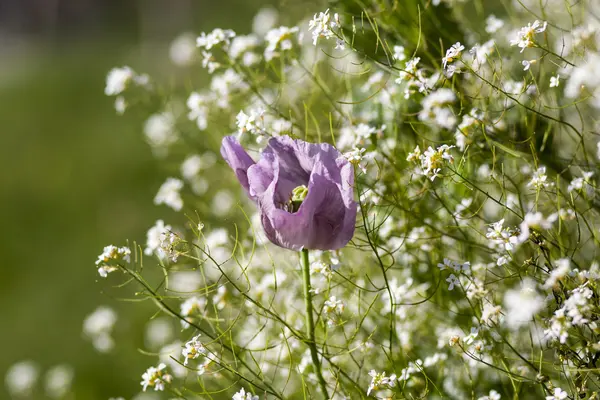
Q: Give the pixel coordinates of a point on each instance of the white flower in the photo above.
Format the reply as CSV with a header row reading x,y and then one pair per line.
x,y
110,259
356,157
379,380
154,237
333,305
249,122
493,24
522,304
120,105
159,130
156,377
524,37
279,40
58,381
502,236
198,106
169,195
493,395
21,377
98,327
558,394
240,45
534,220
264,20
321,26
117,80
527,64
453,53
452,281
554,81
399,54
539,179
562,269
190,307
215,38
243,395
431,162
183,50
490,314
436,108
578,183
193,349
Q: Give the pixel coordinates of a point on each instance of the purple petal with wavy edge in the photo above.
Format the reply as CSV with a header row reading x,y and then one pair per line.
x,y
238,159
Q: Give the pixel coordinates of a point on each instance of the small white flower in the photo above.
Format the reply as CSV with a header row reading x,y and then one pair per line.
x,y
522,304
493,24
558,394
193,349
21,377
156,377
279,40
399,53
169,194
321,26
524,37
58,381
243,395
527,64
453,53
218,37
117,80
379,380
110,259
452,281
555,81
98,327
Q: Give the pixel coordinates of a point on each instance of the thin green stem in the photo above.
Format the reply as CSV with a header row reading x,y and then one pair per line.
x,y
310,322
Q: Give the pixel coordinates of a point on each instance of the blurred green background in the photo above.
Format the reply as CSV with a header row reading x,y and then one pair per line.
x,y
75,176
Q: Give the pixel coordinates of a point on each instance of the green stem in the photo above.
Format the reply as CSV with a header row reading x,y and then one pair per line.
x,y
310,322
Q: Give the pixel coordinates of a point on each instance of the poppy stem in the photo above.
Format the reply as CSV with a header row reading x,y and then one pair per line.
x,y
310,322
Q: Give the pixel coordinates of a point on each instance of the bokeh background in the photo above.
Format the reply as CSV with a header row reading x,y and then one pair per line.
x,y
74,176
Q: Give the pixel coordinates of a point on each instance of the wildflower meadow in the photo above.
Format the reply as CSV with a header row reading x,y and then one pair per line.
x,y
375,199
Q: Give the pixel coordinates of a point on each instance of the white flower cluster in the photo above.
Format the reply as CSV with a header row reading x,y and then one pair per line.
x,y
156,377
431,162
193,349
110,259
119,80
322,27
279,41
98,327
576,311
169,194
437,108
243,395
524,38
452,54
379,381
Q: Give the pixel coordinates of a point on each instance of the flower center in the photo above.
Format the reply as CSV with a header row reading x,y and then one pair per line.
x,y
298,195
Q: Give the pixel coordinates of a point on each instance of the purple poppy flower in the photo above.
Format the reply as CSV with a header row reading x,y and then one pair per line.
x,y
304,191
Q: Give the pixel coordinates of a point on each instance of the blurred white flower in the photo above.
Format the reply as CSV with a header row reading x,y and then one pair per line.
x,y
522,304
169,194
58,381
160,130
493,24
183,51
21,378
264,20
98,328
